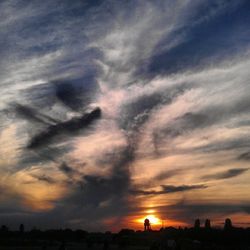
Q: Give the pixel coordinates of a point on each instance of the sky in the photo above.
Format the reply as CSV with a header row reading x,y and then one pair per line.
x,y
113,111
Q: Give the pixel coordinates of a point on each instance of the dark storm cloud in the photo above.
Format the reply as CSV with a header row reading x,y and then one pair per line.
x,y
68,127
230,173
97,189
166,189
100,197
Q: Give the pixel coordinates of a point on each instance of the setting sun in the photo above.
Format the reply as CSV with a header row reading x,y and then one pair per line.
x,y
152,218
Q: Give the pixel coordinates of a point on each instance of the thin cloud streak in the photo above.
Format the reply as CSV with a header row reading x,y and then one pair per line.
x,y
166,189
234,172
68,127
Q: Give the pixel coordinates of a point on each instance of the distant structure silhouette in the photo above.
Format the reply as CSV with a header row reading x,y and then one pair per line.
x,y
147,226
228,224
197,224
21,228
4,228
207,224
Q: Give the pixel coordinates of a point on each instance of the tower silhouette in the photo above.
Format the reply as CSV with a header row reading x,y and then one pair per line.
x,y
207,224
21,228
147,226
228,224
197,224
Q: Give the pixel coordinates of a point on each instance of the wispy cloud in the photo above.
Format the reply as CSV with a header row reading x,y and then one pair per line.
x,y
171,83
165,189
244,156
234,172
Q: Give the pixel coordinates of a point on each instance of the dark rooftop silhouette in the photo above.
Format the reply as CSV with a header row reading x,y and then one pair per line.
x,y
197,237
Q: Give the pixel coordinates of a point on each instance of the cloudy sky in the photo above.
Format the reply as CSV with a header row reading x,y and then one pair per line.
x,y
111,111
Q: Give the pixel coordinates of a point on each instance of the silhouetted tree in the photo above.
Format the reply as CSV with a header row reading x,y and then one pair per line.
x,y
197,224
207,224
228,224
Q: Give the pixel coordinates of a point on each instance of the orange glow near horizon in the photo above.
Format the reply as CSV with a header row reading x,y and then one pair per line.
x,y
152,218
156,221
137,222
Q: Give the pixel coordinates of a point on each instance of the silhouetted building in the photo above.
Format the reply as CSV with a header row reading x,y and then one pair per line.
x,y
197,224
147,226
207,224
4,228
228,224
21,228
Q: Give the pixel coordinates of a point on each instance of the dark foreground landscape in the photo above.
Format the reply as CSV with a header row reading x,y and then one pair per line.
x,y
127,239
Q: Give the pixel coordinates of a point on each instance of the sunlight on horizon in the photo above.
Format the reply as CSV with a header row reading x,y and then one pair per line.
x,y
152,219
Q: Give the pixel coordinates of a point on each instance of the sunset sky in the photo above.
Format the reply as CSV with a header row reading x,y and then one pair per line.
x,y
113,111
